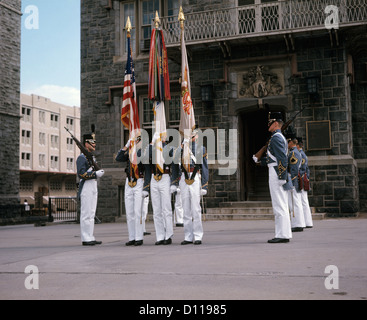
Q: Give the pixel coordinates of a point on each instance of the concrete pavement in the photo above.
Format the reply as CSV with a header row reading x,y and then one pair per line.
x,y
234,262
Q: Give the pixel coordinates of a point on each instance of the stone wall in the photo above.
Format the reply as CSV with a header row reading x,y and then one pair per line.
x,y
10,20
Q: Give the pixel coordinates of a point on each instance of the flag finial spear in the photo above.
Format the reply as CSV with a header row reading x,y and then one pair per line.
x,y
181,17
128,25
157,21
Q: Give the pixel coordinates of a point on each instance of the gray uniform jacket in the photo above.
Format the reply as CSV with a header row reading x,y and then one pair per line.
x,y
304,166
82,166
294,163
276,157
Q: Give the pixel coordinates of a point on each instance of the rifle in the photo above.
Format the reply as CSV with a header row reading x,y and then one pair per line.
x,y
260,153
87,154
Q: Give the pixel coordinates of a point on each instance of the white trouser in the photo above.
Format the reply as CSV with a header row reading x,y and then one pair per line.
x,y
178,207
306,209
190,196
88,206
144,210
295,209
133,207
279,200
162,210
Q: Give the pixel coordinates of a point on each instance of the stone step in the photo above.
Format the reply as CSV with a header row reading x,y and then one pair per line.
x,y
248,210
245,204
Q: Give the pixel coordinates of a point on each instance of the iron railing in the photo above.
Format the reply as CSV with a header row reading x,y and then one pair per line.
x,y
63,208
266,19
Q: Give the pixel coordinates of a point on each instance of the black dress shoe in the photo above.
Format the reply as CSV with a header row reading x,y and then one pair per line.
x,y
185,242
278,240
138,243
88,243
158,243
147,233
297,229
97,242
167,241
130,243
197,242
179,224
308,227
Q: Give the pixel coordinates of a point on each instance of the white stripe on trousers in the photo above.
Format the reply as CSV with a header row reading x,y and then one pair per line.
x,y
295,209
88,206
279,200
190,196
162,208
133,207
306,208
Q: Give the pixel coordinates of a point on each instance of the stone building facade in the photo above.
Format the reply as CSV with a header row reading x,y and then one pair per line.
x,y
10,22
255,56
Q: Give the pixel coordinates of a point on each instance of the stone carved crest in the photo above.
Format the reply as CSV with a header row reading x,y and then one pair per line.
x,y
260,82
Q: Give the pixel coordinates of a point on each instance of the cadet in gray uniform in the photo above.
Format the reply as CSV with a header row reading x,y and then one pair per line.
x,y
88,192
277,161
294,195
305,176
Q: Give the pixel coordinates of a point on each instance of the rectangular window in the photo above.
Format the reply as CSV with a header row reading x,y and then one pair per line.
x,y
69,144
128,10
148,9
54,162
54,120
70,123
26,137
174,111
41,160
41,116
70,164
26,160
54,141
26,113
42,138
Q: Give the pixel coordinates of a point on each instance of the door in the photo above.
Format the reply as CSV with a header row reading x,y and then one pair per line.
x,y
254,178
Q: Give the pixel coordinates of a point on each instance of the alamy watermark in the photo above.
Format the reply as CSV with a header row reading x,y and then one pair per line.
x,y
31,281
32,19
221,148
332,280
332,20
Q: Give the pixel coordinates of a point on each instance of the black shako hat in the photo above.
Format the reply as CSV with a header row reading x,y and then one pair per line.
x,y
274,116
90,137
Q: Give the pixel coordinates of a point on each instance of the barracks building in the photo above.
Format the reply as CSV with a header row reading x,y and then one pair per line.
x,y
246,58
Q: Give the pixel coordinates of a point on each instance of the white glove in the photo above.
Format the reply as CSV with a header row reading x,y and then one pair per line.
x,y
256,160
178,191
127,145
99,173
282,182
186,140
145,194
203,192
173,189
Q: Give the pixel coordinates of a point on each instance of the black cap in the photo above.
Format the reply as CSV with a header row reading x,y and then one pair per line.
x,y
290,133
299,139
274,116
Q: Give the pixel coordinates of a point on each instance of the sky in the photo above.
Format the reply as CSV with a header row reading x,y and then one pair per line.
x,y
50,50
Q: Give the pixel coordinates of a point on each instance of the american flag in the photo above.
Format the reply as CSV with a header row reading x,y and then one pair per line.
x,y
129,110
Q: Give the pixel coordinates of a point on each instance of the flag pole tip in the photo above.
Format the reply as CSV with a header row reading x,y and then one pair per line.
x,y
128,25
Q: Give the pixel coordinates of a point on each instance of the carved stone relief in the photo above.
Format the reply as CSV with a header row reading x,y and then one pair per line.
x,y
261,81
